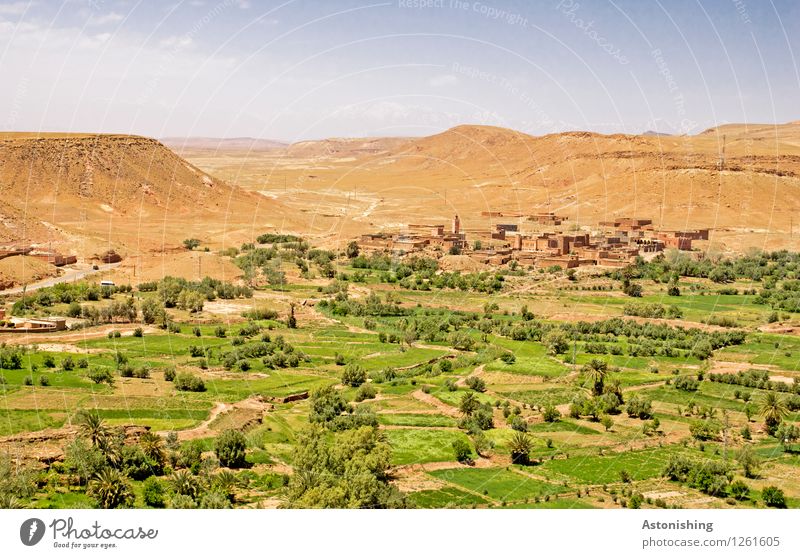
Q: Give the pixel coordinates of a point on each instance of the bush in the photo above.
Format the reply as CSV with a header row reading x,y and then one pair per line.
x,y
67,363
44,381
462,451
773,497
739,490
639,407
551,414
138,332
230,448
220,331
153,493
366,391
686,383
354,375
476,384
101,375
169,373
185,381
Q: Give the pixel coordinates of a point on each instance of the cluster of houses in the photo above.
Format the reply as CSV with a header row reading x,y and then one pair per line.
x,y
615,243
29,325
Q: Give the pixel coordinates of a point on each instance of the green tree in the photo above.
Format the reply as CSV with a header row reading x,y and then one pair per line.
x,y
462,451
739,490
354,375
772,409
469,404
596,371
352,249
191,243
185,483
230,448
84,460
348,470
773,497
787,434
556,342
92,427
749,462
520,446
154,493
111,489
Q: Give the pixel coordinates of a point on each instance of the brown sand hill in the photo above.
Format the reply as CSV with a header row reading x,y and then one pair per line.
x,y
589,177
83,194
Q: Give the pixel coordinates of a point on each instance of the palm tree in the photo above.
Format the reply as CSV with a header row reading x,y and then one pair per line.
x,y
91,426
185,483
111,489
226,482
521,445
153,447
772,409
597,372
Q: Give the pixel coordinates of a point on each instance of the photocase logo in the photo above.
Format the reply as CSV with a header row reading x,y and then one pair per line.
x,y
31,531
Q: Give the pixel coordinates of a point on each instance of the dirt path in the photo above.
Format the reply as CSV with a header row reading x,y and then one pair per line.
x,y
442,407
202,430
461,382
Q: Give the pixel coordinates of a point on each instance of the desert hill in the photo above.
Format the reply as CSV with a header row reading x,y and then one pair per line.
x,y
83,194
750,200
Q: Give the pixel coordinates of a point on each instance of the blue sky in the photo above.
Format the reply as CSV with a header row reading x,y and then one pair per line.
x,y
294,70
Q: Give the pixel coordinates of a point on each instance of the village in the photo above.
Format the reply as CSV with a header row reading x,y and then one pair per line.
x,y
538,240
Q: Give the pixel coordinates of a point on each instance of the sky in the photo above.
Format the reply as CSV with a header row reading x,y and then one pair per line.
x,y
293,70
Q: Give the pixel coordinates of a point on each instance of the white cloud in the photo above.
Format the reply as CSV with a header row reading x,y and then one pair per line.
x,y
14,8
111,17
443,80
177,42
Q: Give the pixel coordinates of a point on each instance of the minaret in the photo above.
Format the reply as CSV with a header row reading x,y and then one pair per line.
x,y
456,224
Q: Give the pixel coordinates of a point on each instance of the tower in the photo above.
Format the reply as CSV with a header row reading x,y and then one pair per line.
x,y
456,224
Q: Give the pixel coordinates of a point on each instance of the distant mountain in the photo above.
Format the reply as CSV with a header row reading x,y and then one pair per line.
x,y
338,148
654,133
222,144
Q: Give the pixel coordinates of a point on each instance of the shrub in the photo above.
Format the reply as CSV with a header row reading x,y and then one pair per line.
x,y
704,430
49,361
101,375
551,414
169,373
354,375
220,331
366,391
185,381
67,363
44,381
739,490
476,384
154,493
138,332
230,448
462,451
686,383
639,407
773,497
